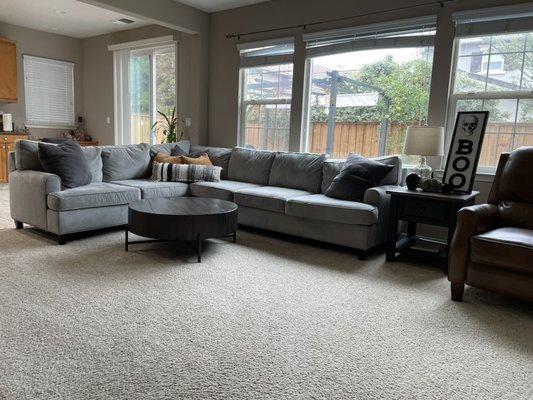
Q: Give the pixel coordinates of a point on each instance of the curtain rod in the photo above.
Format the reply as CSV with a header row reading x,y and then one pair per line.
x,y
304,26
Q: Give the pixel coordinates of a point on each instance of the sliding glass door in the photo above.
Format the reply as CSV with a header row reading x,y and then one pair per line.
x,y
152,91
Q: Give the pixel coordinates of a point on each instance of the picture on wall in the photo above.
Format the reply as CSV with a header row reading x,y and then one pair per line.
x,y
465,149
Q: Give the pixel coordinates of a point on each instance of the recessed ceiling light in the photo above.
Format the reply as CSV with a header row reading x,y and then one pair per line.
x,y
123,21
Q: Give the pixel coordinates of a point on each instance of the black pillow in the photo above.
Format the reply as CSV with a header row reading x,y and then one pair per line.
x,y
67,161
356,176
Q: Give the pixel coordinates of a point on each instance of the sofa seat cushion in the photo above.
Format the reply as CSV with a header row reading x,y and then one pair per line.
x,y
321,207
223,190
152,189
270,198
506,248
98,194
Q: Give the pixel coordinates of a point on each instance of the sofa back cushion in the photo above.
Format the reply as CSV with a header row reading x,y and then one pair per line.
x,y
27,157
176,149
252,166
297,171
219,156
126,162
333,167
93,155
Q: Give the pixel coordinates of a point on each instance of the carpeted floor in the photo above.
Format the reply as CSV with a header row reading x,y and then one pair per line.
x,y
266,318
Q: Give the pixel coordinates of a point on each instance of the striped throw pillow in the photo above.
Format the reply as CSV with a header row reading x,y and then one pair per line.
x,y
165,172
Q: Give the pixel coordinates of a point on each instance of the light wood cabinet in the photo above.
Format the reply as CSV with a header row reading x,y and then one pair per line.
x,y
8,71
7,144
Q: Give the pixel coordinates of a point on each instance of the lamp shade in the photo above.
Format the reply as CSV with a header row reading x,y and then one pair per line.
x,y
424,141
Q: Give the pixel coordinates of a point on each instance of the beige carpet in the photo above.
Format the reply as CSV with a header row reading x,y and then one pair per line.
x,y
266,318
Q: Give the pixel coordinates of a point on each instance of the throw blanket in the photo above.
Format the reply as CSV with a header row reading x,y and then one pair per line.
x,y
166,172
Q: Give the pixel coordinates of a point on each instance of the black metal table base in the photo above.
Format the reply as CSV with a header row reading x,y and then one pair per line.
x,y
197,248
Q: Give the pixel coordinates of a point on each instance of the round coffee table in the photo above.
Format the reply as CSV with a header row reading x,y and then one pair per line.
x,y
189,219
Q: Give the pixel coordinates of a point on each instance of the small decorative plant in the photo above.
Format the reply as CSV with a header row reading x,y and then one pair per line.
x,y
171,125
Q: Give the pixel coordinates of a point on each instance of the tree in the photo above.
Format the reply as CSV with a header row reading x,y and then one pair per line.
x,y
403,89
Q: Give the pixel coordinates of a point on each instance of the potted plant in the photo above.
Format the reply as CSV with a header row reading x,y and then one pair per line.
x,y
171,125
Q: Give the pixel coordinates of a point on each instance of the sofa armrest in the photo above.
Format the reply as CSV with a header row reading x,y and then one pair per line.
x,y
12,166
28,191
378,197
471,221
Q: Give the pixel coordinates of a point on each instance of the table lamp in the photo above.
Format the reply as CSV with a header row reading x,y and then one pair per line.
x,y
424,141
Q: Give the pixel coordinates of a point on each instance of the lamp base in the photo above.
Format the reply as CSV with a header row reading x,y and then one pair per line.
x,y
422,169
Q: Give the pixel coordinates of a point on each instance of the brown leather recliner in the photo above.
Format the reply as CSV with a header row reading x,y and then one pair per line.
x,y
492,247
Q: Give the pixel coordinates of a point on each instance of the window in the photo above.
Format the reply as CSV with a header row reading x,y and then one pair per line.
x,y
266,94
366,86
152,91
502,84
145,88
49,92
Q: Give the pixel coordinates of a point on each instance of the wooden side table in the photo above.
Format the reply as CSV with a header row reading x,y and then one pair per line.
x,y
414,207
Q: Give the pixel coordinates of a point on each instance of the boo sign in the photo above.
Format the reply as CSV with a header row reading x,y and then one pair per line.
x,y
465,149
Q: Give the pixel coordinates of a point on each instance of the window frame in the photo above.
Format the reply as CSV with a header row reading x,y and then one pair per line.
x,y
51,61
276,60
454,98
306,137
152,52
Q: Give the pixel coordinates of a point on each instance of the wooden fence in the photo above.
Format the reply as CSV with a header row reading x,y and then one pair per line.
x,y
363,138
140,129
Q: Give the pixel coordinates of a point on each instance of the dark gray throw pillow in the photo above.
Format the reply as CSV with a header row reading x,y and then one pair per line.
x,y
356,176
67,161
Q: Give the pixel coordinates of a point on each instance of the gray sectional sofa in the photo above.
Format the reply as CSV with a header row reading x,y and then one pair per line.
x,y
282,192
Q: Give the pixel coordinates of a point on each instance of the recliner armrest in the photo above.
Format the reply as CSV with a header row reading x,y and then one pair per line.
x,y
28,191
471,221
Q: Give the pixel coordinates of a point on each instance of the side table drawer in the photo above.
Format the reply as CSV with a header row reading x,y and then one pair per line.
x,y
424,210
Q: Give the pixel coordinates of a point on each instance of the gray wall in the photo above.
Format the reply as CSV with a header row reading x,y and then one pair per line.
x,y
47,45
98,80
189,24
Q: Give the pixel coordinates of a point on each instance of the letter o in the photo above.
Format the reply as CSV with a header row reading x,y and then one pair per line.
x,y
456,165
462,180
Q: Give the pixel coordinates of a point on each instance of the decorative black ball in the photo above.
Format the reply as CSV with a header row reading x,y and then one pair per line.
x,y
412,180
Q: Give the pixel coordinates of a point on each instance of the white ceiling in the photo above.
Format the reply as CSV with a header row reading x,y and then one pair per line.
x,y
64,17
218,5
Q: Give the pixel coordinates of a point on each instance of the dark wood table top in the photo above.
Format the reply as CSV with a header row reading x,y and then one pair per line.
x,y
403,191
183,206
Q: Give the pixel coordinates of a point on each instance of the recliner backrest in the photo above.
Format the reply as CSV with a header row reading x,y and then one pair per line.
x,y
512,190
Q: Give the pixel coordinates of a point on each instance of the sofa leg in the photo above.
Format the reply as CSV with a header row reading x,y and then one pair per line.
x,y
61,240
19,225
363,255
457,291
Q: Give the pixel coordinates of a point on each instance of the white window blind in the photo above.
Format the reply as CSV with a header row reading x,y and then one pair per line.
x,y
494,20
269,52
413,32
49,92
